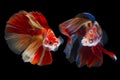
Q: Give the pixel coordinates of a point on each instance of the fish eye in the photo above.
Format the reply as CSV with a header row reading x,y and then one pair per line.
x,y
90,40
89,24
91,31
50,43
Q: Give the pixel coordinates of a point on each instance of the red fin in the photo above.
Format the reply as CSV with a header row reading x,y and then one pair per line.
x,y
64,27
40,18
111,54
89,58
42,58
18,23
97,51
98,57
37,55
47,58
69,40
94,62
74,25
84,55
29,52
81,31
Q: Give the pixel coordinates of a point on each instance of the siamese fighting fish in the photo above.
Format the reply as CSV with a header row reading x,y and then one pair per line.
x,y
28,34
85,40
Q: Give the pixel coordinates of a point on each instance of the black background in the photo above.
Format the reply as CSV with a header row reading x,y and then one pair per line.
x,y
57,11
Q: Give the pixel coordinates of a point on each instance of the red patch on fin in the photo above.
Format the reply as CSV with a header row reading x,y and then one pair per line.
x,y
47,58
41,19
37,55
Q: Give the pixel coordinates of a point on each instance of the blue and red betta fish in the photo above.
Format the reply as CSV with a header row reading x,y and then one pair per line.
x,y
85,41
28,34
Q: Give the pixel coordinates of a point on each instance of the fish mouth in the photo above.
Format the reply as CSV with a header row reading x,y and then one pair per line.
x,y
54,46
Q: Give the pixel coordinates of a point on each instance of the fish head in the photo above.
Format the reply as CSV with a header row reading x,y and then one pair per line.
x,y
51,42
92,37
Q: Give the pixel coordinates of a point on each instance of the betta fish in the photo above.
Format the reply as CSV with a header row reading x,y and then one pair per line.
x,y
85,41
28,34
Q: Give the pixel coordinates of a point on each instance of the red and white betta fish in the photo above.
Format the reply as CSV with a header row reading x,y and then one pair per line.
x,y
85,40
28,34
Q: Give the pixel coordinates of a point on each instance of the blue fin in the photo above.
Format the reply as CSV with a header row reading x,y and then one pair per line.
x,y
69,46
77,60
87,16
104,38
71,49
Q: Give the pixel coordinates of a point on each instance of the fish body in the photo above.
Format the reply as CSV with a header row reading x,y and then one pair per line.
x,y
85,40
28,34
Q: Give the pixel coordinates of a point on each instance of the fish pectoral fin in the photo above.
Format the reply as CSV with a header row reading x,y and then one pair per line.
x,y
111,54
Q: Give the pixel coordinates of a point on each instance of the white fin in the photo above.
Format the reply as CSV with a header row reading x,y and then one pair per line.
x,y
34,22
29,53
17,42
115,57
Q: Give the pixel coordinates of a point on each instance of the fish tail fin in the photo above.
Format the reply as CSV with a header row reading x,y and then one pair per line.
x,y
24,22
17,42
19,32
18,23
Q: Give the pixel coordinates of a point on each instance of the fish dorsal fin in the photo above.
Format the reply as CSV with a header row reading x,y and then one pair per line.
x,y
86,16
39,18
33,22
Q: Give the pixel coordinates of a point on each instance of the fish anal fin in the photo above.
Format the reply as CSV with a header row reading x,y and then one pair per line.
x,y
37,56
47,58
84,53
93,61
29,53
87,57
